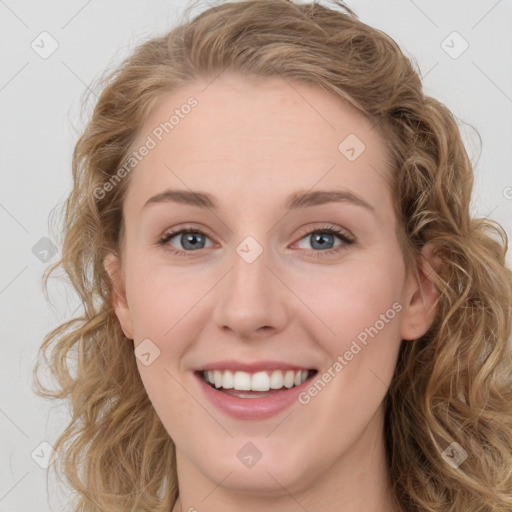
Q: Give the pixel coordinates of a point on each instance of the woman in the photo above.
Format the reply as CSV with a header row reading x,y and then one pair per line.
x,y
286,302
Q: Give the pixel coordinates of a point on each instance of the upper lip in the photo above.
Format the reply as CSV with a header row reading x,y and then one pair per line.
x,y
253,366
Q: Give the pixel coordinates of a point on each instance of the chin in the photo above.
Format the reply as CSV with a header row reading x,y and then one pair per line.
x,y
278,467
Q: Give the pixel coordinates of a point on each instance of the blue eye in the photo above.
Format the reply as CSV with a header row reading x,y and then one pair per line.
x,y
321,238
190,239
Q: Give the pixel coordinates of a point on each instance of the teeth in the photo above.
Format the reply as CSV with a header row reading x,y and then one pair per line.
x,y
228,380
242,381
289,377
259,381
276,380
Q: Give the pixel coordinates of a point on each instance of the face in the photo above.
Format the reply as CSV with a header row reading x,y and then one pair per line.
x,y
284,285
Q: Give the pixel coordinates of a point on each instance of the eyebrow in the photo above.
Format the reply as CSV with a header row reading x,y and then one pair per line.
x,y
293,202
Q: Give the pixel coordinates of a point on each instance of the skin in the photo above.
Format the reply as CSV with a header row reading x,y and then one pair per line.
x,y
251,144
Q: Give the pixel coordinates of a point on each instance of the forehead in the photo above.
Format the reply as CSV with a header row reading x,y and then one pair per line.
x,y
244,139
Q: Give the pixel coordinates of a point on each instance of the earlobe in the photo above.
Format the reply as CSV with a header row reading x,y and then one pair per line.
x,y
112,265
421,296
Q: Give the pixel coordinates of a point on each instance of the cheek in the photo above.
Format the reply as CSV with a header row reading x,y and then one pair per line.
x,y
169,309
160,298
362,308
359,306
165,307
173,405
353,297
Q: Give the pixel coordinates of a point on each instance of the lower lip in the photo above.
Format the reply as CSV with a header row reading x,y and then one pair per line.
x,y
252,408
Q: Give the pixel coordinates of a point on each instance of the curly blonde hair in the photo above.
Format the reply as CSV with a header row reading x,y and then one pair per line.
x,y
454,384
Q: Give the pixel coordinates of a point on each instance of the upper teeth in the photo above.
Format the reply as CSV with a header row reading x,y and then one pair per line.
x,y
259,381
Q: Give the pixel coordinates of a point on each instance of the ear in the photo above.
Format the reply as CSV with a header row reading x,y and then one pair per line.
x,y
112,265
420,296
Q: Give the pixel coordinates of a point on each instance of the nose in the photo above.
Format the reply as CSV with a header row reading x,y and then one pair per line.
x,y
251,301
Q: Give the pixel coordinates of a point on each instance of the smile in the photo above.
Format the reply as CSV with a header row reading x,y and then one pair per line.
x,y
257,392
258,381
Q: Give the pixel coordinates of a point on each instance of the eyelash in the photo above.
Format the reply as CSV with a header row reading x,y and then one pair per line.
x,y
317,254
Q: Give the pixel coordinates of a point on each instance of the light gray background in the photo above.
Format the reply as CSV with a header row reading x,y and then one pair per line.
x,y
39,122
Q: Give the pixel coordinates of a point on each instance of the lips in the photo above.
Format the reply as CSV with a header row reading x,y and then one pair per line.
x,y
253,390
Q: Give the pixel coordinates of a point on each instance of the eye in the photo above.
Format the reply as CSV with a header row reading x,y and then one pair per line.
x,y
190,239
323,238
